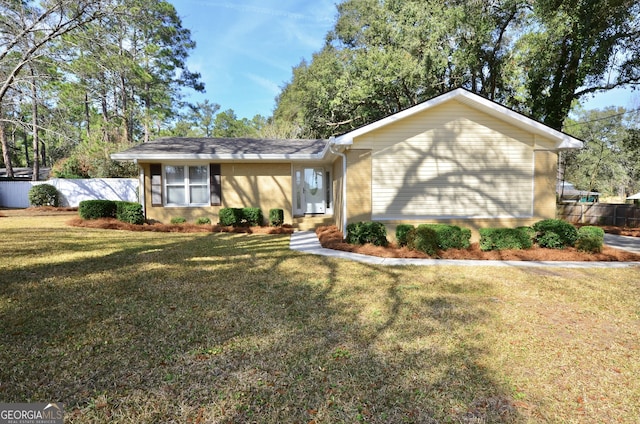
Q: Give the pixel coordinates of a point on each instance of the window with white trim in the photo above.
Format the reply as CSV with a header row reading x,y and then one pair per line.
x,y
186,185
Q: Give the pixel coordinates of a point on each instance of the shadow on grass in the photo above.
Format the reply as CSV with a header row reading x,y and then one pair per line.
x,y
238,328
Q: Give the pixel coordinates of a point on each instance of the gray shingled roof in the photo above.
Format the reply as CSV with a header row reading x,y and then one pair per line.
x,y
221,148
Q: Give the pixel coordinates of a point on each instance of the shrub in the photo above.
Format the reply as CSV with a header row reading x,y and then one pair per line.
x,y
590,239
566,233
276,217
178,220
504,238
450,236
96,209
367,232
43,195
203,221
423,239
550,240
402,232
129,212
252,216
230,216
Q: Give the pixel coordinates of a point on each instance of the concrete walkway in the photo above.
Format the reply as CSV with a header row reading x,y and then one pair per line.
x,y
307,241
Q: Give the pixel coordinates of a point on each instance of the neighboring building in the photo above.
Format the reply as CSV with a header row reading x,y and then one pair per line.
x,y
457,158
567,192
25,174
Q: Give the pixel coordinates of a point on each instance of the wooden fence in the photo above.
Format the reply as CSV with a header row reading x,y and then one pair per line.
x,y
600,214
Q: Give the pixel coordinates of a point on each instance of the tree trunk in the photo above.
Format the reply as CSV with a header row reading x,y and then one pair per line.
x,y
35,175
6,157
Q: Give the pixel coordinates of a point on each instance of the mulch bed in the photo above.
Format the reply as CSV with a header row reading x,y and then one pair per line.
x,y
330,237
114,224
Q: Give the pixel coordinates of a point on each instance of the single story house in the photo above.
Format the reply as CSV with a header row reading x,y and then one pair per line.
x,y
457,158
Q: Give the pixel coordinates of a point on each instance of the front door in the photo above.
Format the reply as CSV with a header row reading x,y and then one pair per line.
x,y
309,191
313,190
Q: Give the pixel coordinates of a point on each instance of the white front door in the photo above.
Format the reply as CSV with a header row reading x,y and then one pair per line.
x,y
313,190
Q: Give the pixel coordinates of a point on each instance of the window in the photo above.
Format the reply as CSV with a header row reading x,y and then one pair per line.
x,y
186,185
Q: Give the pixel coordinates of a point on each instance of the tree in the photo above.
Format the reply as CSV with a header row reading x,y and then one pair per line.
x,y
202,115
606,163
227,124
577,47
538,57
27,28
104,73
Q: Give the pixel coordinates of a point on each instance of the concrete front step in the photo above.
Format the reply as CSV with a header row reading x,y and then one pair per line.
x,y
310,222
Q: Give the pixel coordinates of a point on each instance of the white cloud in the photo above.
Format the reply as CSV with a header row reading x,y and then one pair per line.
x,y
270,86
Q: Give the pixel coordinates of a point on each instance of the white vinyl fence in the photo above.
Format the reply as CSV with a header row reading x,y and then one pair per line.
x,y
14,194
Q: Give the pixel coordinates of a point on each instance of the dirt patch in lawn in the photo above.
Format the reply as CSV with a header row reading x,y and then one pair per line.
x,y
330,237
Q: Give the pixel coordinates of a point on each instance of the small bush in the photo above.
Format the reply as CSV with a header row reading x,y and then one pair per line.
x,y
504,238
252,216
530,232
450,236
43,195
230,216
402,232
178,220
367,232
590,239
203,221
423,239
276,217
565,232
96,209
550,240
129,212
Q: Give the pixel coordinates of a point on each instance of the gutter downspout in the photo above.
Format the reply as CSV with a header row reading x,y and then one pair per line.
x,y
344,183
141,192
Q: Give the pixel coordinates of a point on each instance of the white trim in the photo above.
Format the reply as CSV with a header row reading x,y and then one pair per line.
x,y
186,185
444,217
198,156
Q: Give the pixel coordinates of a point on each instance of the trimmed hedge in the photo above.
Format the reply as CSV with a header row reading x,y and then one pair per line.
x,y
504,238
590,239
43,195
423,239
178,220
129,212
252,216
241,216
402,233
450,236
96,209
276,217
230,216
555,233
367,232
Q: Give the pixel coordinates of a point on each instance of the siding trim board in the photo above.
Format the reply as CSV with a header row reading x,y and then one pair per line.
x,y
406,217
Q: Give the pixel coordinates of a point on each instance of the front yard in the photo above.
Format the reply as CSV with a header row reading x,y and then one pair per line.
x,y
204,328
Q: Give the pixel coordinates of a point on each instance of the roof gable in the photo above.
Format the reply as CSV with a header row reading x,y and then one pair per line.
x,y
561,140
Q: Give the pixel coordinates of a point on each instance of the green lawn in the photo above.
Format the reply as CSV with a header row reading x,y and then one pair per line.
x,y
206,328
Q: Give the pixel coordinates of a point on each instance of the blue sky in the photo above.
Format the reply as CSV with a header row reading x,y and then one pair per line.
x,y
246,50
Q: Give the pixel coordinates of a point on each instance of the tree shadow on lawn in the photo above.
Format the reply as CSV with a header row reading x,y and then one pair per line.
x,y
237,328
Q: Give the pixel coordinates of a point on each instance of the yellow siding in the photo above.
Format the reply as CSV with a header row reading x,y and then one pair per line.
x,y
359,185
450,161
267,186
